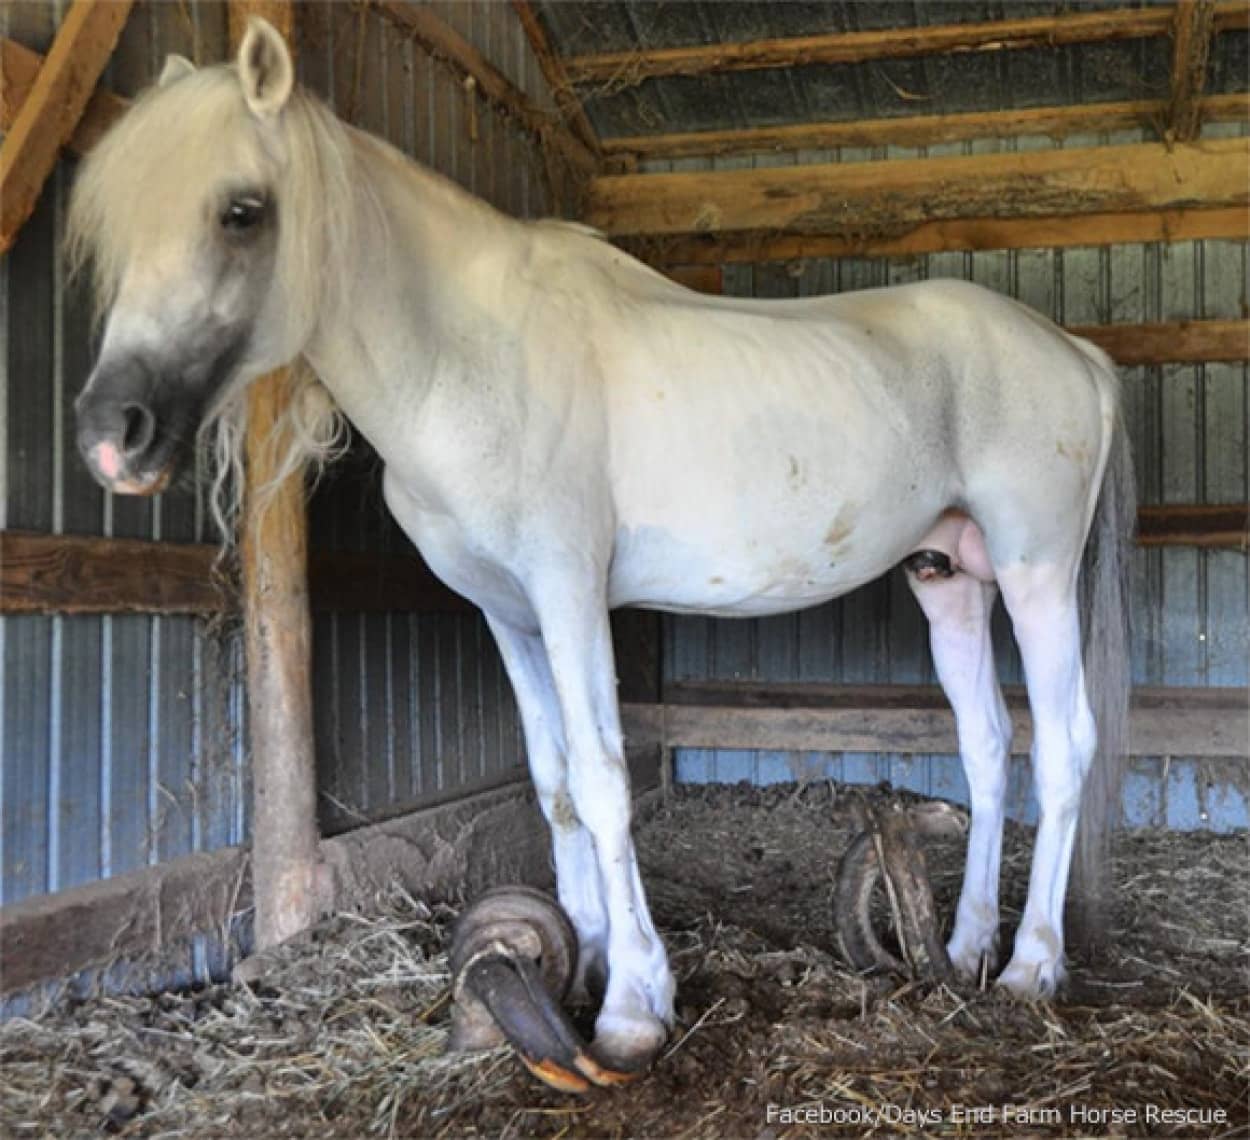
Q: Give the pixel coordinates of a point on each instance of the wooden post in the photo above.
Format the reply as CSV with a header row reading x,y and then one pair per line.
x,y
279,646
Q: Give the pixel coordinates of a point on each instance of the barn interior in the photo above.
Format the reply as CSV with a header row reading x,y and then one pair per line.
x,y
1088,159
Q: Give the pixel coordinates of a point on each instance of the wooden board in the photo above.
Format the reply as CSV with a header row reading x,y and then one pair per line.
x,y
890,197
437,852
53,105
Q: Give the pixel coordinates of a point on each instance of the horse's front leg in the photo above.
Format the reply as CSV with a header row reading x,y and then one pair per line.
x,y
638,1004
573,850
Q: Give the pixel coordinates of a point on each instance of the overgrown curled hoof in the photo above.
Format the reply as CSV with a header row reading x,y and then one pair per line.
x,y
886,853
512,956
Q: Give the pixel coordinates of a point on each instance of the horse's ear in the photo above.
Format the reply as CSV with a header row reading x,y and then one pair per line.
x,y
176,67
265,68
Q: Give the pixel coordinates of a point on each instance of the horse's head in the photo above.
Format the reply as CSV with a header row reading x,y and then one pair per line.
x,y
182,209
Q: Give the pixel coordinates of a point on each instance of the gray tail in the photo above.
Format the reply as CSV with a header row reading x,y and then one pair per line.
x,y
1104,600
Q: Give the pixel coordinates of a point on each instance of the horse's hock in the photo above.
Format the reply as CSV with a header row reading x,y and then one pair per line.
x,y
887,367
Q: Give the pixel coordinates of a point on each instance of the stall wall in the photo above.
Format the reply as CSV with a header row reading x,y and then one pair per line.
x,y
1188,425
122,737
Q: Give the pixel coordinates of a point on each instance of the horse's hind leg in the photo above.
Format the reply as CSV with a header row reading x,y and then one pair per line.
x,y
1041,599
958,608
573,850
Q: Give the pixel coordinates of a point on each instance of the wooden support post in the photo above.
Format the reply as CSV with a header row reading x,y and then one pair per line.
x,y
279,645
55,103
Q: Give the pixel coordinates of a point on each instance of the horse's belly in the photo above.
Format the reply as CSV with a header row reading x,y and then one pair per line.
x,y
742,575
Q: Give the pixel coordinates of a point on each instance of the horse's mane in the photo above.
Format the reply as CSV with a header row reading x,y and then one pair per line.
x,y
122,201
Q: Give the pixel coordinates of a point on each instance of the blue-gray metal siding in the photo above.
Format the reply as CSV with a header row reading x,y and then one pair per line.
x,y
122,738
1188,425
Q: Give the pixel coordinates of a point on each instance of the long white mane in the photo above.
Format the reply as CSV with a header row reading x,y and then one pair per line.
x,y
129,193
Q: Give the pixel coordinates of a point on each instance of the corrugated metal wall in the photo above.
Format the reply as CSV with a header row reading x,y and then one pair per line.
x,y
122,737
1189,431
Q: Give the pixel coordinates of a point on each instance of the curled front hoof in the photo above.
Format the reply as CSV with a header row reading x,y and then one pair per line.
x,y
626,1045
1032,981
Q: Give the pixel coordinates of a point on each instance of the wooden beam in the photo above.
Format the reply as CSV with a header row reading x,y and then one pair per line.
x,y
1056,232
891,197
1207,723
571,109
442,851
627,68
19,68
444,42
1193,25
77,574
922,130
1171,342
1214,526
53,106
80,574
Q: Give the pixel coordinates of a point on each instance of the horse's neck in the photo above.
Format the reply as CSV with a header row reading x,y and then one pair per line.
x,y
423,290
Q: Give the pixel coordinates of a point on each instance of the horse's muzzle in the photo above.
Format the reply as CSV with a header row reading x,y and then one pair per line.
x,y
120,441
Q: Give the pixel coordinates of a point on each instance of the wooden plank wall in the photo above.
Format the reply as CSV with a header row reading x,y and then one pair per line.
x,y
1189,431
121,737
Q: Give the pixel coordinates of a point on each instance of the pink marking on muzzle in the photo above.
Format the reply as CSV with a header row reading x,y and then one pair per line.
x,y
108,460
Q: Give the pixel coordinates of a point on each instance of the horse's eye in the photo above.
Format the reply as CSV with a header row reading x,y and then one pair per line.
x,y
243,213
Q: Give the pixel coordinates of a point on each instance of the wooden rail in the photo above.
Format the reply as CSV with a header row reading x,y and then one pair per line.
x,y
625,68
78,574
1163,721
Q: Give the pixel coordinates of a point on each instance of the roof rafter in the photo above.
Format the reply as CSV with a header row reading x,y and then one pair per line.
x,y
626,68
1192,29
922,130
52,107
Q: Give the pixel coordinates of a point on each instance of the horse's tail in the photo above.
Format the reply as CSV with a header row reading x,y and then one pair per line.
x,y
1104,600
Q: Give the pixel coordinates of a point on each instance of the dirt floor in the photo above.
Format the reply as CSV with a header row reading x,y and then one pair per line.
x,y
777,1038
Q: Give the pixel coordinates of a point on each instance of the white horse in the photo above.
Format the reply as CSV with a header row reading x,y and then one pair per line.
x,y
566,431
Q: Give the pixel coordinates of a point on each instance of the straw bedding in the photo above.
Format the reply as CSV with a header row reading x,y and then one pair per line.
x,y
777,1038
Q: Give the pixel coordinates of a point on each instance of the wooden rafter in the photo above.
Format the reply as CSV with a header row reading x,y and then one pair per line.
x,y
623,68
557,79
894,196
922,130
52,107
444,42
1192,29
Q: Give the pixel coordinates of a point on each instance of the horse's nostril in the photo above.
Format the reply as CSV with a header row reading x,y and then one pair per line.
x,y
139,430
